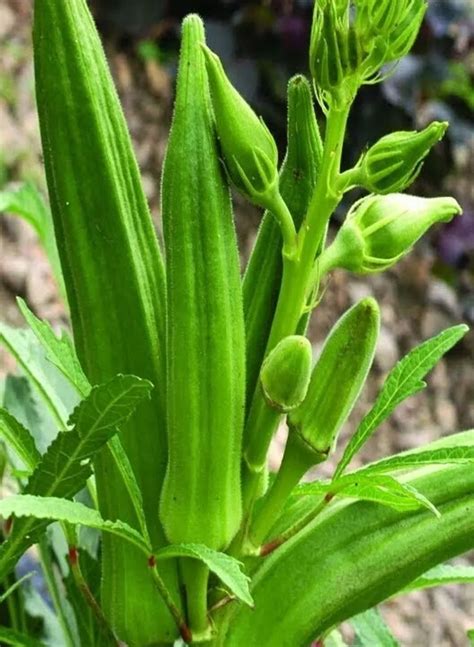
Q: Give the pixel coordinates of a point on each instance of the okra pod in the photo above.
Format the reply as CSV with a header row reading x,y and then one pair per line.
x,y
337,379
115,284
201,498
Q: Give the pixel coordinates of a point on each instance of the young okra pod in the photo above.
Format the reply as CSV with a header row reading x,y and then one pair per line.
x,y
201,499
286,373
336,381
337,378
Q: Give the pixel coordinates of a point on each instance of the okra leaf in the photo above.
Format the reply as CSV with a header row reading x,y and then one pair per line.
x,y
470,637
227,569
370,630
66,465
59,350
27,202
19,439
442,455
362,555
17,639
48,382
441,575
51,508
379,488
405,379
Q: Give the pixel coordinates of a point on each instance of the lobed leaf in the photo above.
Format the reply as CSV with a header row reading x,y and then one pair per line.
x,y
52,508
361,554
405,379
442,455
441,575
379,488
59,350
65,467
227,569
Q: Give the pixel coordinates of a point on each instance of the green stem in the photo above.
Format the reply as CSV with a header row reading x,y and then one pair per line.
x,y
82,585
13,611
297,273
53,589
295,528
195,576
183,628
294,465
279,209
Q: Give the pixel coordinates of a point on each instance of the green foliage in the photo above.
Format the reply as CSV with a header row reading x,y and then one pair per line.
x,y
404,380
370,629
226,568
186,539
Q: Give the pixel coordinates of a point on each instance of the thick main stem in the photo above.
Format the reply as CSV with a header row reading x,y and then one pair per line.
x,y
294,292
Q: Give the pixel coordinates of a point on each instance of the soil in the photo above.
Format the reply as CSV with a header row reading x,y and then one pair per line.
x,y
415,304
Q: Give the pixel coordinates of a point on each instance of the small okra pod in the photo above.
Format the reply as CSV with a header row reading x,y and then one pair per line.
x,y
336,382
337,378
286,373
201,497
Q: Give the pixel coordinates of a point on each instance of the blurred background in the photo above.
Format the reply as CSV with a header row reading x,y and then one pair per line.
x,y
262,44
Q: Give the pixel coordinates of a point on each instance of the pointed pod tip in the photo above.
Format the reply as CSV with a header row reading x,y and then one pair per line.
x,y
369,305
193,25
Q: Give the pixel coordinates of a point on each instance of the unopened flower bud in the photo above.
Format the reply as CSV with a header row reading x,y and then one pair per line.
x,y
351,41
380,229
337,378
393,163
249,150
286,373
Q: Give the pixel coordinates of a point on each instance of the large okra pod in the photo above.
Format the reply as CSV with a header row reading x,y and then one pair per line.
x,y
201,500
297,181
115,284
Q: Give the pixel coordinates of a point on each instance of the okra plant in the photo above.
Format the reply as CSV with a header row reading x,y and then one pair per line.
x,y
157,419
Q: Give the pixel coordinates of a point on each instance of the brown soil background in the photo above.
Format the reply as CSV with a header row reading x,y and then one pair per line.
x,y
415,305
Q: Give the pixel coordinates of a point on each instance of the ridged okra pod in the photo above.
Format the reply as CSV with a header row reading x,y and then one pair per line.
x,y
115,284
336,381
201,499
262,277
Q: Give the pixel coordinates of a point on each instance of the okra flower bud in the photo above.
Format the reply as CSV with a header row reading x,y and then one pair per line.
x,y
379,230
286,373
351,41
337,379
394,162
250,152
